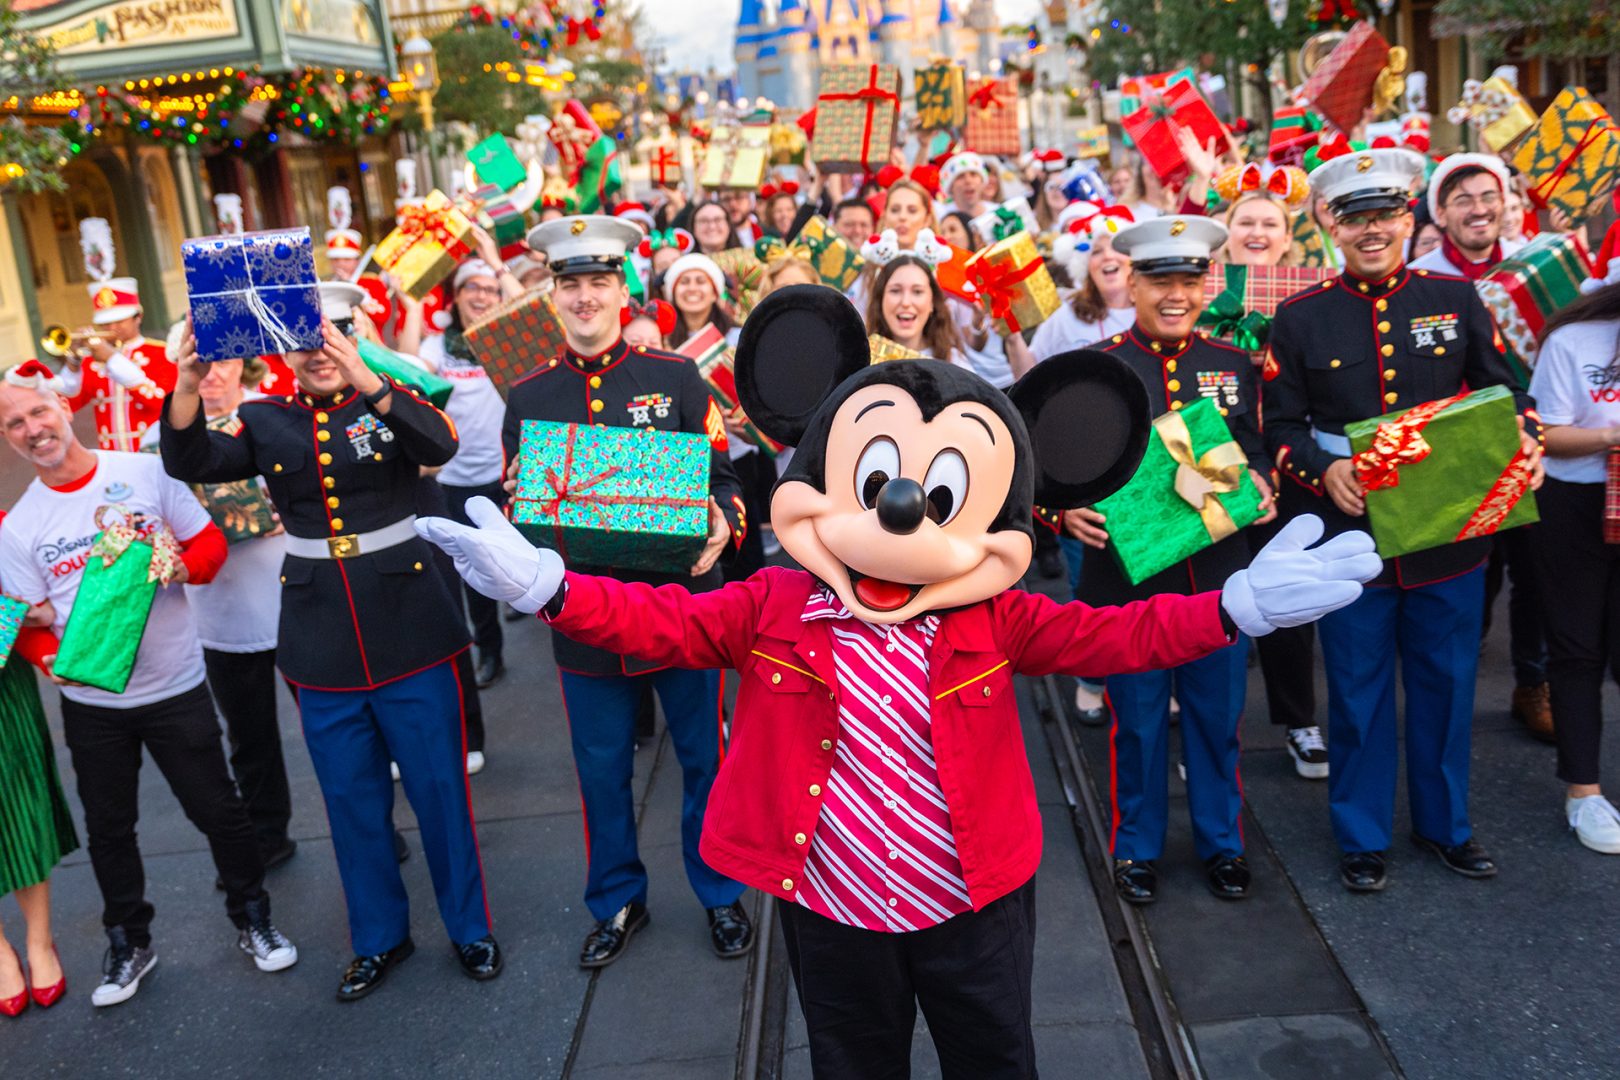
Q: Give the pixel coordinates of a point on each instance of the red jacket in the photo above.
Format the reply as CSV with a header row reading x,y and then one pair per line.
x,y
766,800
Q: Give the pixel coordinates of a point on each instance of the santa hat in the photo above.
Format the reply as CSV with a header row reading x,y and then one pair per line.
x,y
959,164
1050,160
693,260
33,375
1488,162
637,213
342,242
1078,228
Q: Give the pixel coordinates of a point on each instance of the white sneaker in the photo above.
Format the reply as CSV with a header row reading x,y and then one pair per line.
x,y
393,770
123,969
1595,823
475,762
269,947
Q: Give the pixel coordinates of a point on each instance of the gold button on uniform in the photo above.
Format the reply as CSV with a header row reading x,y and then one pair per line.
x,y
337,524
277,466
1389,398
596,381
799,838
1387,350
376,457
815,789
787,884
1362,286
1383,327
986,691
417,567
332,501
1334,362
325,459
1382,305
1175,405
826,744
327,480
776,677
321,418
1173,385
284,579
596,405
1389,373
323,435
1439,350
1170,366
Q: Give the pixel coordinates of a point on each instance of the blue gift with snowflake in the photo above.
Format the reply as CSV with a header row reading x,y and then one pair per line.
x,y
253,294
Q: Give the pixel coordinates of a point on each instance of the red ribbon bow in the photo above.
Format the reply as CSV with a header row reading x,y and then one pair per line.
x,y
586,26
926,175
1083,224
1254,178
786,187
990,95
1396,443
431,224
995,285
658,311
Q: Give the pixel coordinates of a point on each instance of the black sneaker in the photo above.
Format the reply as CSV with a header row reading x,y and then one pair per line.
x,y
269,947
1309,751
122,970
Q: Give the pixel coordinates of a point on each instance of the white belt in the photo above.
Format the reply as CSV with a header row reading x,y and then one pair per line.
x,y
349,545
1333,444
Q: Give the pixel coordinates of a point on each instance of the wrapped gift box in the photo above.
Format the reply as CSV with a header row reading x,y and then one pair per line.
x,y
789,145
1341,87
1152,128
1523,291
12,613
516,337
1241,301
857,117
940,93
121,577
713,358
991,126
495,163
1192,490
614,497
1611,498
1571,155
737,162
573,132
664,165
1444,471
741,265
1091,142
385,361
1012,216
426,245
1011,281
252,294
495,213
837,263
238,507
884,349
1294,130
954,276
1496,110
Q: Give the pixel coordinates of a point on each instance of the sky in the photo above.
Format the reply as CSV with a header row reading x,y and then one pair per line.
x,y
698,33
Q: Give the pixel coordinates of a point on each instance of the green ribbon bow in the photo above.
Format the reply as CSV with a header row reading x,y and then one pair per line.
x,y
1225,317
1008,223
663,238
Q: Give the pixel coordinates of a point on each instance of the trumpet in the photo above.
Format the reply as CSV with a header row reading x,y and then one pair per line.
x,y
60,342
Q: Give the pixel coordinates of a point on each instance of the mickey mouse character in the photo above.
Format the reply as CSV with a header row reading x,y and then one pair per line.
x,y
877,782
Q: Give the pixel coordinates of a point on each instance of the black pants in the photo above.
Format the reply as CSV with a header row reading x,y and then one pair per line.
x,y
244,687
1582,617
860,989
1287,658
757,474
182,735
432,500
483,614
1514,559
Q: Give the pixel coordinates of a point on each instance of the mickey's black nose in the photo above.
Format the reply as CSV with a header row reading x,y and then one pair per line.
x,y
901,505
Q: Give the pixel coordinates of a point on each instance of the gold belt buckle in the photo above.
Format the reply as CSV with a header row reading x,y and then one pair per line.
x,y
343,547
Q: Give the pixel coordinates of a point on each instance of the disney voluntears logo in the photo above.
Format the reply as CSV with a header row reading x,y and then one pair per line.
x,y
1431,330
118,492
1602,378
360,433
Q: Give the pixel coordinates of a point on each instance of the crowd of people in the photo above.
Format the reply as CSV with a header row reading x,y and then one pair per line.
x,y
385,649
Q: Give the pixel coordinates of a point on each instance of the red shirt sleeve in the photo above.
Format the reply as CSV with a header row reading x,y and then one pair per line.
x,y
34,644
1042,637
204,554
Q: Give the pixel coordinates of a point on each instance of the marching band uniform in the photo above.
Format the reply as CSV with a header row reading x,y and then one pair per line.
x,y
1211,689
369,636
647,390
1348,350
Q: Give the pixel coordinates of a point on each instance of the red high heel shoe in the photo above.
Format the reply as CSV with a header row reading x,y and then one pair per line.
x,y
13,1006
50,995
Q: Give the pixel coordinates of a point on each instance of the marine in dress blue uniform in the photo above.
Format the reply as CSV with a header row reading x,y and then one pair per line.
x,y
655,391
368,635
1177,371
1355,347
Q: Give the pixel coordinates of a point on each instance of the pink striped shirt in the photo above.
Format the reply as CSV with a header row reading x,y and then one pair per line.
x,y
884,854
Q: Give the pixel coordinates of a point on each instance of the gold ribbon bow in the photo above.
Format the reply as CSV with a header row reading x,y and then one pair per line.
x,y
1391,82
1218,471
116,538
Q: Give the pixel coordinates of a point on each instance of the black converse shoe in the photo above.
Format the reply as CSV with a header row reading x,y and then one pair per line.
x,y
269,947
122,969
1309,752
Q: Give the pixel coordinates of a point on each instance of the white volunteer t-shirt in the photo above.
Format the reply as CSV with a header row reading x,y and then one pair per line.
x,y
45,542
1574,386
1064,331
477,409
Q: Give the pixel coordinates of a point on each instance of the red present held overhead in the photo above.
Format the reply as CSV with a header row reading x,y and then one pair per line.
x,y
992,118
573,133
1341,87
1152,128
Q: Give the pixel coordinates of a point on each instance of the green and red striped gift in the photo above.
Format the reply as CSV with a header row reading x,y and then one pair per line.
x,y
1524,291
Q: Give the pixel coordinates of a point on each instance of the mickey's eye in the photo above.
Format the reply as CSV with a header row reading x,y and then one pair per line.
x,y
879,463
946,485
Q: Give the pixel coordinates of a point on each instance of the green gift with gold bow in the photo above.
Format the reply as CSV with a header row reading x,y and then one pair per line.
x,y
834,259
1192,490
125,567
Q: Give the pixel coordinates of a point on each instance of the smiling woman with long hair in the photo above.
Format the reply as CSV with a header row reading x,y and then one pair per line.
x,y
908,307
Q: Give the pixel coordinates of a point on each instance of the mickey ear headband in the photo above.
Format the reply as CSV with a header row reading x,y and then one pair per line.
x,y
659,311
1284,182
786,187
884,248
679,239
33,375
926,175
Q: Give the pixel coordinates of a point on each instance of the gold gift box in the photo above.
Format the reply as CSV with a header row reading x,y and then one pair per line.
x,y
884,349
1014,284
419,263
837,263
1571,156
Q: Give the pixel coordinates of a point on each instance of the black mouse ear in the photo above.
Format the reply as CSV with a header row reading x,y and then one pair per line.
x,y
1088,420
797,345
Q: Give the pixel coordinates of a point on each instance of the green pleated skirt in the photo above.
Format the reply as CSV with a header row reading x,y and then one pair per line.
x,y
36,829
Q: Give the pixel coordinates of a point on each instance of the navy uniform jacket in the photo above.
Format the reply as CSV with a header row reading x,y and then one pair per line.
x,y
1178,373
628,387
334,467
1349,350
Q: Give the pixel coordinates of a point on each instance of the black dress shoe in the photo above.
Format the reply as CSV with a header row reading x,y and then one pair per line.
x,y
604,944
1466,858
1136,882
481,959
1228,876
402,850
730,931
1362,871
488,670
366,973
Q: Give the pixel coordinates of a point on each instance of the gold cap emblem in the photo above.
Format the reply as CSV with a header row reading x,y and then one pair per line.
x,y
1177,228
1364,164
577,227
106,298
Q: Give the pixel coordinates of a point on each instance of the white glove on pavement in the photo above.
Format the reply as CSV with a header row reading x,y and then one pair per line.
x,y
494,558
1286,585
125,372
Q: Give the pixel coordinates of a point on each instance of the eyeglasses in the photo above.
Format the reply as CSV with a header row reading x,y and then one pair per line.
x,y
1369,217
1488,201
481,290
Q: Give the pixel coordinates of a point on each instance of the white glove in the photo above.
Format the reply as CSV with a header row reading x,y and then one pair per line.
x,y
125,372
494,558
1287,585
71,380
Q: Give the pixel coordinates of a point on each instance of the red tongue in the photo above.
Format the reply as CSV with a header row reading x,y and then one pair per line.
x,y
879,595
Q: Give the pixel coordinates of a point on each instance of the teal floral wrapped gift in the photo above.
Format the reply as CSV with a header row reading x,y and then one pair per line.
x,y
613,497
